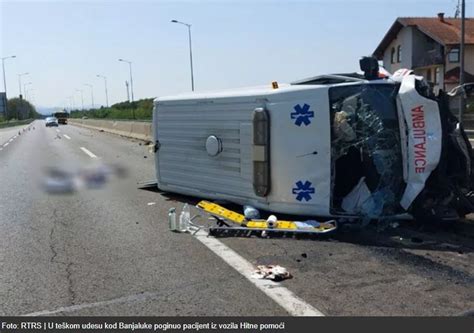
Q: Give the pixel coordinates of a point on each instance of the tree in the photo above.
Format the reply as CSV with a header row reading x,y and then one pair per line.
x,y
20,109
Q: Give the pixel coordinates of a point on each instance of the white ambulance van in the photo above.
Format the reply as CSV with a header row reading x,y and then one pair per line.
x,y
334,145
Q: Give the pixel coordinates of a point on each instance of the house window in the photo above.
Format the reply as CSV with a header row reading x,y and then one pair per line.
x,y
399,53
392,56
453,55
428,75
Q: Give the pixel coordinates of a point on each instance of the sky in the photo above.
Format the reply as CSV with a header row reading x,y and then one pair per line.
x,y
65,44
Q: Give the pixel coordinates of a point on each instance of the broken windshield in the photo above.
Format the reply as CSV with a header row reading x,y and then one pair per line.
x,y
366,150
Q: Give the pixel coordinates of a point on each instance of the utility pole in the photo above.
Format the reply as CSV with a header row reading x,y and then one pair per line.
x,y
462,100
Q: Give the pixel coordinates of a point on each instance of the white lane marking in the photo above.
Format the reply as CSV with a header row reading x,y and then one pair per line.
x,y
132,298
285,298
88,152
294,305
10,140
15,137
67,136
6,144
57,130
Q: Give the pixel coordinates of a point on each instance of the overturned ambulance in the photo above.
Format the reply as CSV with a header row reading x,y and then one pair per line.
x,y
334,145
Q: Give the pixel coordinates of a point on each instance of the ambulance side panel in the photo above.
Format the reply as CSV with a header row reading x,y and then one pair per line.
x,y
300,152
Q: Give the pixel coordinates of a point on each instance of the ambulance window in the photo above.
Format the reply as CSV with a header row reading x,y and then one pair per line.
x,y
366,149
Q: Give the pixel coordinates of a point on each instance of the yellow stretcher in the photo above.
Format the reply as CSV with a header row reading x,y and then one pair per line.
x,y
226,215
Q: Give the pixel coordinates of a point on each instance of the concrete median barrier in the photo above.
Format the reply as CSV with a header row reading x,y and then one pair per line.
x,y
131,129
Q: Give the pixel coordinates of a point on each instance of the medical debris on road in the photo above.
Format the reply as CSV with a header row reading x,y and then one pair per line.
x,y
227,222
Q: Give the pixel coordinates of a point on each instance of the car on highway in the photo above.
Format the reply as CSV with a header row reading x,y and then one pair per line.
x,y
51,121
373,146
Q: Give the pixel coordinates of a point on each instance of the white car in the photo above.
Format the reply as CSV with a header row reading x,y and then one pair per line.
x,y
51,121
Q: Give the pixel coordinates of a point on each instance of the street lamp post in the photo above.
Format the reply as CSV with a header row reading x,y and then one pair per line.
x,y
128,90
19,82
24,89
190,50
92,93
131,78
26,98
68,99
106,94
82,98
30,95
3,68
73,102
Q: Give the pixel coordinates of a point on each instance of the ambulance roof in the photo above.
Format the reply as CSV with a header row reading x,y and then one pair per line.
x,y
317,82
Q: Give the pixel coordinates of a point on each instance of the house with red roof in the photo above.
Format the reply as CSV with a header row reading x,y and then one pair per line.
x,y
429,46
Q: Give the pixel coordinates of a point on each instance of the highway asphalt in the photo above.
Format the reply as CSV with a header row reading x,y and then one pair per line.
x,y
107,250
9,133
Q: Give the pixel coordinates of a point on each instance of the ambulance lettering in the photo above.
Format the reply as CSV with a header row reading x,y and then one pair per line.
x,y
419,138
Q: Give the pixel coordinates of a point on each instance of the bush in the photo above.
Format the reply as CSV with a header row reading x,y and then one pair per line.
x,y
141,109
21,109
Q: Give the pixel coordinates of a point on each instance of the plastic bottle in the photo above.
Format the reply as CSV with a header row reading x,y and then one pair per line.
x,y
184,219
251,213
172,219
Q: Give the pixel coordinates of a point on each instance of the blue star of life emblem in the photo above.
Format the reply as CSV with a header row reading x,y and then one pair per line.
x,y
303,191
302,115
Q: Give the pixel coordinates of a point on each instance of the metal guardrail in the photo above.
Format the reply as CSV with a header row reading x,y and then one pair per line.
x,y
15,123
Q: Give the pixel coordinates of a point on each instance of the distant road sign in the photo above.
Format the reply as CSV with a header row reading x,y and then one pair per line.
x,y
3,104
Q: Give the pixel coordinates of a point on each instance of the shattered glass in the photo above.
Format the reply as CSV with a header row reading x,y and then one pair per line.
x,y
366,143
